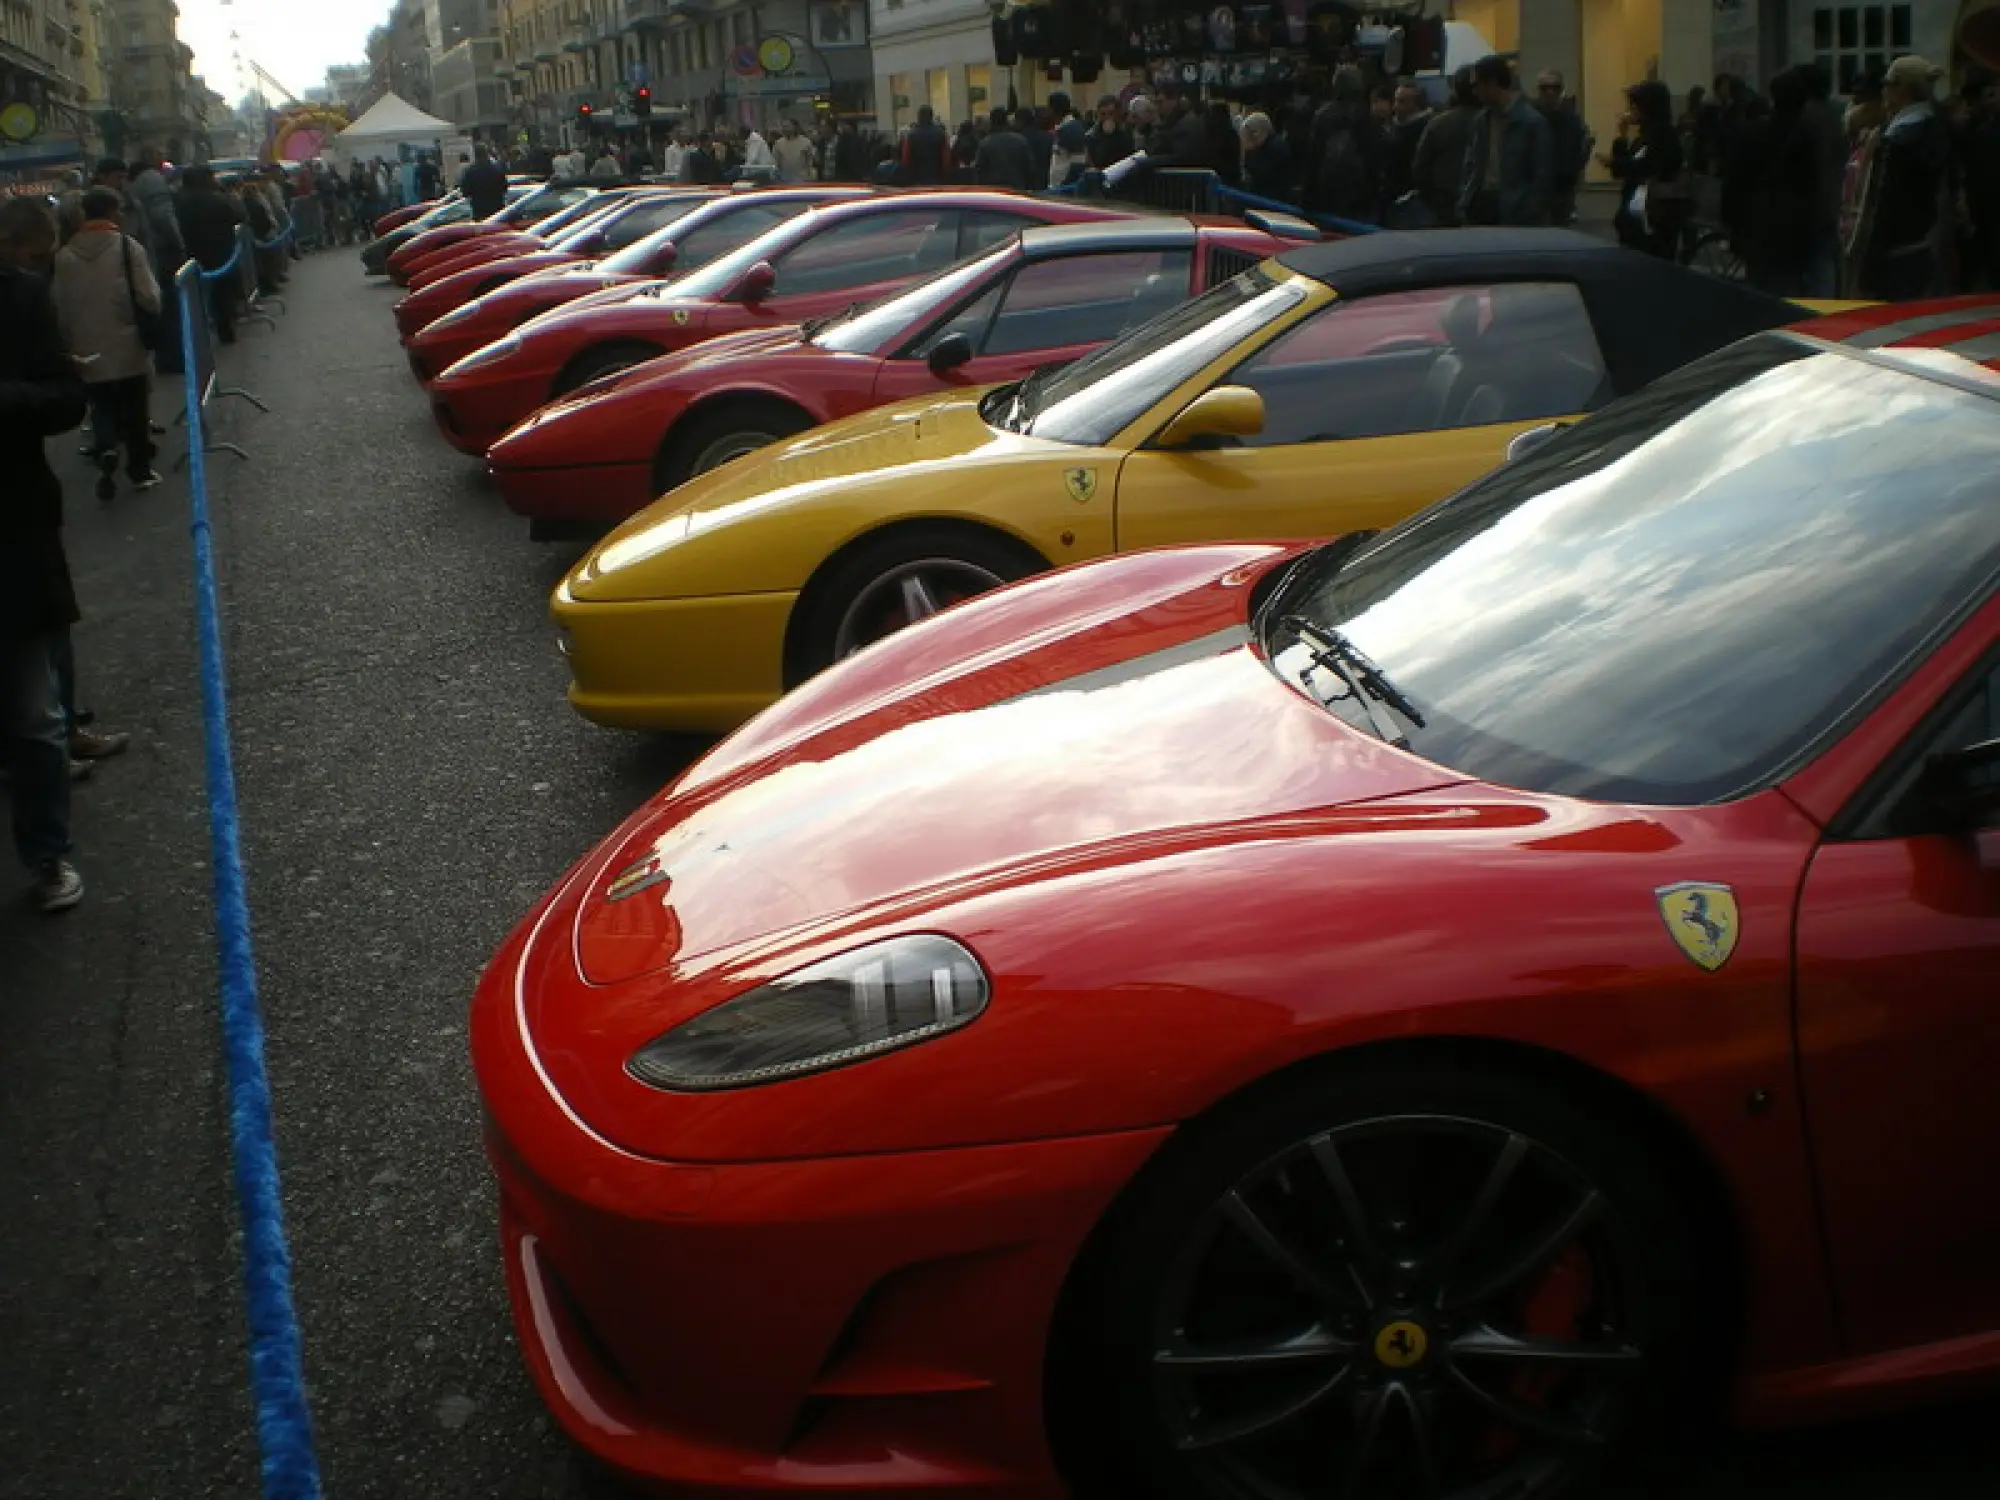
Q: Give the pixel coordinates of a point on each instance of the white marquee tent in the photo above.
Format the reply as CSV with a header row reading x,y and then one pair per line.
x,y
390,122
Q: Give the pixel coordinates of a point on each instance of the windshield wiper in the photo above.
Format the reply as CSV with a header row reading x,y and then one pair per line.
x,y
1335,653
813,326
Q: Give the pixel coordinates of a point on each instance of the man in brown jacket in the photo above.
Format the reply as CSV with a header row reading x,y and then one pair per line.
x,y
104,291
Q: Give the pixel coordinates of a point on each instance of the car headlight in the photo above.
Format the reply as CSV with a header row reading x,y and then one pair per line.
x,y
491,353
859,1005
465,312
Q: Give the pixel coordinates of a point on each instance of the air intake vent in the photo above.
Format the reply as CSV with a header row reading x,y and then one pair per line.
x,y
1225,263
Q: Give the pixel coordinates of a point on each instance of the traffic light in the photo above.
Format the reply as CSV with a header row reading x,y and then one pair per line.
x,y
584,115
642,102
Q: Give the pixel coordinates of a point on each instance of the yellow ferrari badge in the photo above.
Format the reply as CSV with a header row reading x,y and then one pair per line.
x,y
1081,484
1401,1345
1701,918
680,316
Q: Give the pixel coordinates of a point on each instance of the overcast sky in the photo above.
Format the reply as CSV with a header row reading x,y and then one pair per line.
x,y
294,42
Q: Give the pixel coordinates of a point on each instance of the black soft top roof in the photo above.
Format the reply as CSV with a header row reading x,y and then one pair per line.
x,y
1651,315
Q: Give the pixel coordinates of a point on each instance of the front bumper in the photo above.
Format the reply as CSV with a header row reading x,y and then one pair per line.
x,y
475,413
868,1325
697,666
580,492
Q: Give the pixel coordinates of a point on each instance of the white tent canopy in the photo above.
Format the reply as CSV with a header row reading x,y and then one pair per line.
x,y
391,121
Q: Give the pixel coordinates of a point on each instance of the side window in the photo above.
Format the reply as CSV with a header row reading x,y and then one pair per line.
x,y
706,243
972,320
1428,361
1085,299
982,231
864,251
642,221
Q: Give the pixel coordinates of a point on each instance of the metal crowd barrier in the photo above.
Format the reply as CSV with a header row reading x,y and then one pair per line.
x,y
197,290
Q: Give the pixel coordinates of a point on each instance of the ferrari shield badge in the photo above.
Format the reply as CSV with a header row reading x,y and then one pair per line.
x,y
680,317
1081,484
638,876
1701,918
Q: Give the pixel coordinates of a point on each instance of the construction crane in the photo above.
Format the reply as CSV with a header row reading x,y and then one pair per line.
x,y
257,73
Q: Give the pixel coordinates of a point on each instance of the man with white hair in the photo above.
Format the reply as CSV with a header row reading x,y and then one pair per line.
x,y
1910,186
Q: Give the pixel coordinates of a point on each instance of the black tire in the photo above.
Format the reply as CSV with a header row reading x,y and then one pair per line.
x,y
708,439
1141,1405
601,360
980,559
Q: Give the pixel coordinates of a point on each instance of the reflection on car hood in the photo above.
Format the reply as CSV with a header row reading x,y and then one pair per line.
x,y
1132,715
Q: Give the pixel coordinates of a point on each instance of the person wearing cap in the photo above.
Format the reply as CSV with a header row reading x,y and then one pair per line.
x,y
1910,188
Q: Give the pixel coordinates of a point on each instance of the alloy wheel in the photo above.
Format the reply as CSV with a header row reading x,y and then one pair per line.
x,y
905,594
1403,1308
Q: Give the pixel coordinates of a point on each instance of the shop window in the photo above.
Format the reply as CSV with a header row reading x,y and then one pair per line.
x,y
1408,362
1851,39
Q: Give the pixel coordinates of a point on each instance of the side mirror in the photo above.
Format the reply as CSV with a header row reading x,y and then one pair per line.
x,y
1228,411
755,284
592,243
1965,783
665,256
948,353
1527,442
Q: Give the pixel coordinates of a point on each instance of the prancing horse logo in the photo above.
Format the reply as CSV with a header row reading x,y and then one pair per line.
x,y
1081,484
1702,920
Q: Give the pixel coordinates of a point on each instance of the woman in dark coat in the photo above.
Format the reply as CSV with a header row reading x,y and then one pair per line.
x,y
1647,156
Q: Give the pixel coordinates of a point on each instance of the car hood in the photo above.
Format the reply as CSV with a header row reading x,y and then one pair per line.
x,y
542,440
1088,718
910,441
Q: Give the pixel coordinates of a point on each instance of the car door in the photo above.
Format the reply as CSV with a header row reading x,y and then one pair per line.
x,y
1899,1043
857,260
1046,312
1374,407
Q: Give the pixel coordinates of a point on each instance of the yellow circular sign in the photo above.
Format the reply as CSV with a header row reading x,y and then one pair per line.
x,y
1401,1344
19,122
774,55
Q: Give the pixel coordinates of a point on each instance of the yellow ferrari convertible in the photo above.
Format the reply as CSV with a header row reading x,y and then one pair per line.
x,y
1338,387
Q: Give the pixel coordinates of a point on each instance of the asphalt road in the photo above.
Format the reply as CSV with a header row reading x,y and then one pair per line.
x,y
410,779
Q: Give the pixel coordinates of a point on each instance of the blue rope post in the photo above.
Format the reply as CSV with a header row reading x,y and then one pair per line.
x,y
277,1363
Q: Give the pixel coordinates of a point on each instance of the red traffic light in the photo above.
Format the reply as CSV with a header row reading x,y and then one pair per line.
x,y
583,111
645,93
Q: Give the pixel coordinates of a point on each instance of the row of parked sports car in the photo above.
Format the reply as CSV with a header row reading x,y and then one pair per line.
x,y
1412,1014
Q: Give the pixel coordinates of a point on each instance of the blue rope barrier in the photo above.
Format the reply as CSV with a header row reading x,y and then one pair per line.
x,y
1337,224
277,1363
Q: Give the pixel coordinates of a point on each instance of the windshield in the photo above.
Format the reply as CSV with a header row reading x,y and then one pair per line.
x,y
575,215
1676,600
718,276
1092,400
868,328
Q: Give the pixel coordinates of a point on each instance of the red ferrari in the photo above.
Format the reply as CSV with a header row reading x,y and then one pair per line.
x,y
1046,295
533,209
820,261
469,271
714,227
449,259
1396,1018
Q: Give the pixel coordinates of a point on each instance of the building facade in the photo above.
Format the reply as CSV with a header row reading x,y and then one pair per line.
x,y
1756,38
704,61
51,81
474,87
149,78
940,53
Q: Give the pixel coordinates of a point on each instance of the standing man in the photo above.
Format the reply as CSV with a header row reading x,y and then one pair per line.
x,y
1509,170
1004,159
673,155
797,161
925,155
1439,169
1566,146
484,183
103,288
1066,158
40,395
208,225
1409,115
851,159
430,177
